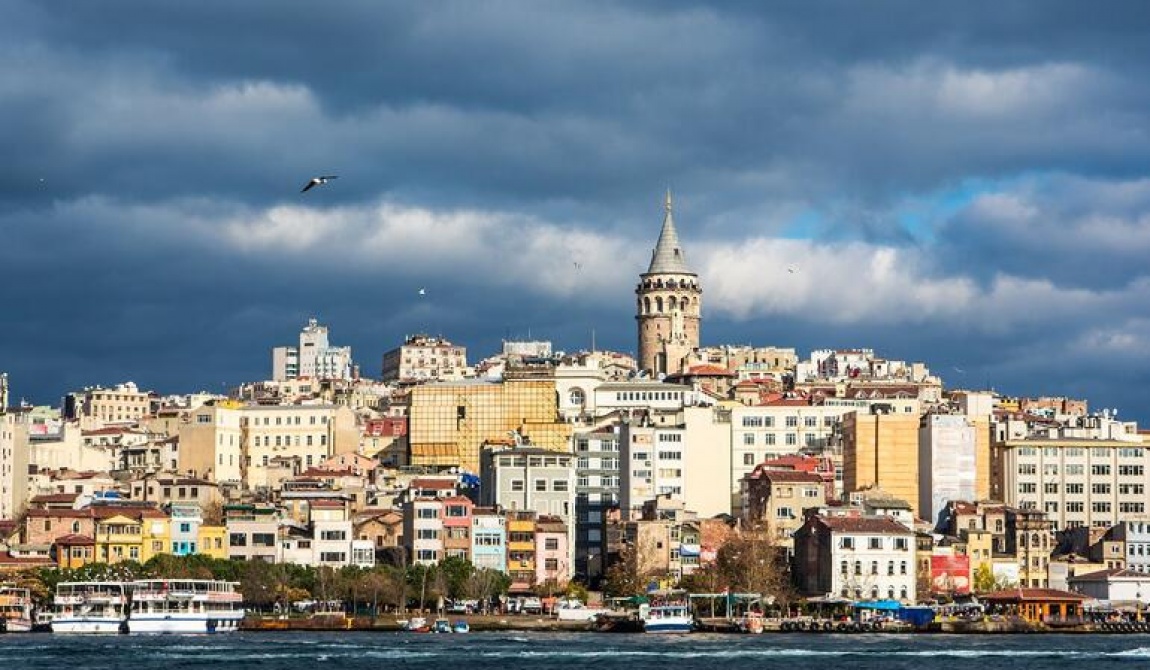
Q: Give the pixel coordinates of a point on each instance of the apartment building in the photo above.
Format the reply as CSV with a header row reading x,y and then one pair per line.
x,y
314,358
14,451
97,407
1075,481
423,530
488,539
880,450
596,490
236,443
777,500
424,358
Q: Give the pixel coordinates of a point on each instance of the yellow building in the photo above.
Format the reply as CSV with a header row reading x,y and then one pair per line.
x,y
521,550
881,451
449,422
212,541
131,537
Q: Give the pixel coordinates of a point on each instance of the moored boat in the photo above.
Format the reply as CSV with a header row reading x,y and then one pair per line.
x,y
15,610
461,626
185,606
90,607
666,618
752,622
573,609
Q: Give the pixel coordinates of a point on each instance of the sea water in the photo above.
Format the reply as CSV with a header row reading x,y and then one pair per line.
x,y
548,651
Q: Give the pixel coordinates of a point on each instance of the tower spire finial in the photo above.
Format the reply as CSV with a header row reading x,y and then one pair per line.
x,y
667,202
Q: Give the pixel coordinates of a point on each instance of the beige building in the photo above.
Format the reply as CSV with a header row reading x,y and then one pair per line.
x,y
424,358
13,463
97,407
232,442
777,499
881,451
668,306
747,361
450,421
1076,482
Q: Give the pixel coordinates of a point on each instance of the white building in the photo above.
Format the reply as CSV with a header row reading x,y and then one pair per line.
x,y
423,530
861,558
1115,586
946,462
314,358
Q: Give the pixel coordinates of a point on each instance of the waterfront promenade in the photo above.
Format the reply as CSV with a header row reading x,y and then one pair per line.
x,y
805,626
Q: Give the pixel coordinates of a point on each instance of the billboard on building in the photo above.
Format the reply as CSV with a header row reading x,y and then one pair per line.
x,y
950,574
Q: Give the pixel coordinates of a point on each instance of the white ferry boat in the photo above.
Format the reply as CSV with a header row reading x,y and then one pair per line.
x,y
185,606
15,610
670,618
90,607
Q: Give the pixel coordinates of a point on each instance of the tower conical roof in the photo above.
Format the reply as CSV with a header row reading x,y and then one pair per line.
x,y
668,255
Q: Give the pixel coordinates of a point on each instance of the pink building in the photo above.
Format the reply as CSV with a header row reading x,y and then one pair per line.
x,y
552,551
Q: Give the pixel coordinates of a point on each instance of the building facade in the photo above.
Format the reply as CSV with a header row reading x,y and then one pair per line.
x,y
424,358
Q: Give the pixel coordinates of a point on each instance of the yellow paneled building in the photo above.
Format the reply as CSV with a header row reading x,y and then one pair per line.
x,y
450,422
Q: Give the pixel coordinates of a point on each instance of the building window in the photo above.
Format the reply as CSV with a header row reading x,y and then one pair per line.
x,y
540,484
516,484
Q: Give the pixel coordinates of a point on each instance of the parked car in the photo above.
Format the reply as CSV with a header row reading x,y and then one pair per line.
x,y
531,605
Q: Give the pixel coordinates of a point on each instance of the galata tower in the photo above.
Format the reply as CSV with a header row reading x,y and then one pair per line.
x,y
668,305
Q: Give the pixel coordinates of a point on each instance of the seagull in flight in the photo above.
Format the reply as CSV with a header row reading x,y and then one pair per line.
x,y
422,291
318,181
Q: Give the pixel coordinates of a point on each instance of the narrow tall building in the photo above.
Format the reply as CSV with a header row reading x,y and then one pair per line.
x,y
668,305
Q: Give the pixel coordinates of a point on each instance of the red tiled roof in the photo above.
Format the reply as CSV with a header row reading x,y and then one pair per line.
x,y
791,476
72,540
1032,594
55,497
441,484
843,524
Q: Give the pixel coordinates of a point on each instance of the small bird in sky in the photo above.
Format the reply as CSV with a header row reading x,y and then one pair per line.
x,y
422,291
318,181
791,269
578,265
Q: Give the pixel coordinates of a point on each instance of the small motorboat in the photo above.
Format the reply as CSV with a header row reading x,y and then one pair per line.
x,y
461,626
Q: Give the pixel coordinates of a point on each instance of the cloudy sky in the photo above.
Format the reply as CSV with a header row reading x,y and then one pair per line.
x,y
966,188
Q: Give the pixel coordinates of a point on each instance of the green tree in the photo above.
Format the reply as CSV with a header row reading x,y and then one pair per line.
x,y
455,573
624,577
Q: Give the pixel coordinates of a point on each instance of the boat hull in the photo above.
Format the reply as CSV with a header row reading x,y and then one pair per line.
x,y
188,624
17,626
669,625
89,626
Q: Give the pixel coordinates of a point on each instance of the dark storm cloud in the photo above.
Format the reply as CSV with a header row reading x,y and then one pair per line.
x,y
152,226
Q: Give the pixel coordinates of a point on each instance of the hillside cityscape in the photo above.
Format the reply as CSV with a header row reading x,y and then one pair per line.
x,y
833,474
